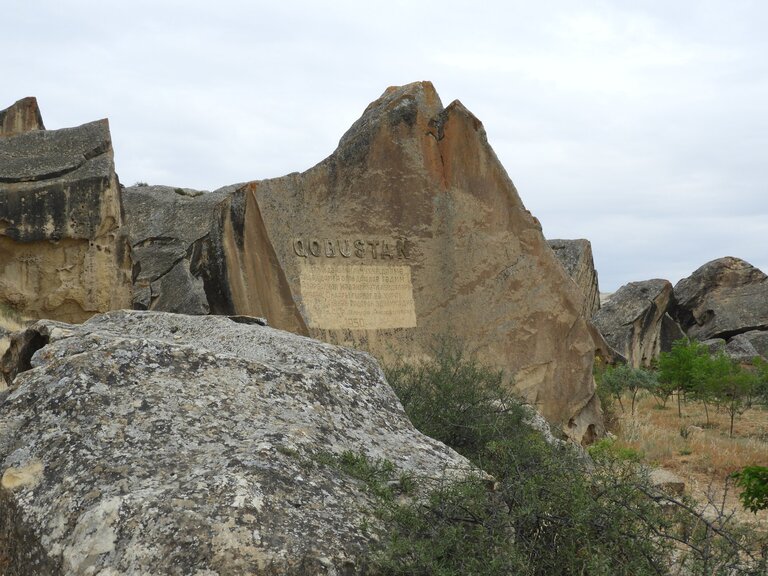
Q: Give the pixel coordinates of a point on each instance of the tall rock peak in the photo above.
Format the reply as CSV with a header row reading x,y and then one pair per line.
x,y
23,116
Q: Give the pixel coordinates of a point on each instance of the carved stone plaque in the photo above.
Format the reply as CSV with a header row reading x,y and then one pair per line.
x,y
358,297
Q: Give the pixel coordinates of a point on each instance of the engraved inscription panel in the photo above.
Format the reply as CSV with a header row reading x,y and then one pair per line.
x,y
358,297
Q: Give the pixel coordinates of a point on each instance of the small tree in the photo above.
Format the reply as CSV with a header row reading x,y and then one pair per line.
x,y
732,386
680,368
624,378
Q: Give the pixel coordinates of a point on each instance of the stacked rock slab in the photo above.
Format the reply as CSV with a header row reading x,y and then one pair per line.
x,y
635,322
155,443
576,258
410,230
60,252
724,297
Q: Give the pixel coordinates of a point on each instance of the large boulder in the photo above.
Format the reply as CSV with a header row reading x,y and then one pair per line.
x,y
411,229
725,297
635,322
154,443
576,258
61,255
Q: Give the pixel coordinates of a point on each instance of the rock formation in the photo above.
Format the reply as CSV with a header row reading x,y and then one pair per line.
x,y
635,322
22,116
759,341
169,230
410,230
725,297
576,258
60,214
154,443
741,349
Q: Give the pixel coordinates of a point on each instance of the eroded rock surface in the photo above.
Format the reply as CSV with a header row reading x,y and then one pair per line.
x,y
759,341
635,322
153,443
169,233
23,116
576,258
724,297
412,229
61,255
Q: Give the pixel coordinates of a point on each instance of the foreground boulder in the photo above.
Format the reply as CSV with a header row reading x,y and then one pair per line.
x,y
723,298
60,214
576,258
152,443
634,321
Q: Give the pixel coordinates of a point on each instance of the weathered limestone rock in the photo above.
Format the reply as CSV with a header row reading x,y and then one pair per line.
x,y
60,251
741,349
667,481
576,258
153,443
169,233
633,320
759,341
725,297
23,116
411,229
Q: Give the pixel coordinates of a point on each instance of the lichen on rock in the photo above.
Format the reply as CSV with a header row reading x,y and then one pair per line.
x,y
143,442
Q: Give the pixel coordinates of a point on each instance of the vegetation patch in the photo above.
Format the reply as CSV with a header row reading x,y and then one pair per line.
x,y
554,509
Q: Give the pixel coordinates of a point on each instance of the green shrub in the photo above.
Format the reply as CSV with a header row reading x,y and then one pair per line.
x,y
753,480
554,512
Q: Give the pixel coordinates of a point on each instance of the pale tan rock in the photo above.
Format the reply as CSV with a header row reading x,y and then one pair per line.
x,y
576,258
61,253
23,116
409,230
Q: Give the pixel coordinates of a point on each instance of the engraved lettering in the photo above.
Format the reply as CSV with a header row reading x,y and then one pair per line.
x,y
386,251
404,249
357,297
373,248
298,248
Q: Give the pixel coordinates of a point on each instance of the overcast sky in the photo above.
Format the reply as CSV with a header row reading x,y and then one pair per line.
x,y
640,125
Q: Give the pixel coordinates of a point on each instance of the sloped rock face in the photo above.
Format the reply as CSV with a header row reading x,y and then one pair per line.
x,y
635,322
152,443
23,116
576,258
60,251
412,229
725,297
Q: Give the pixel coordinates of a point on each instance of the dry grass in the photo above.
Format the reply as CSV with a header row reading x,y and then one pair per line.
x,y
703,455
